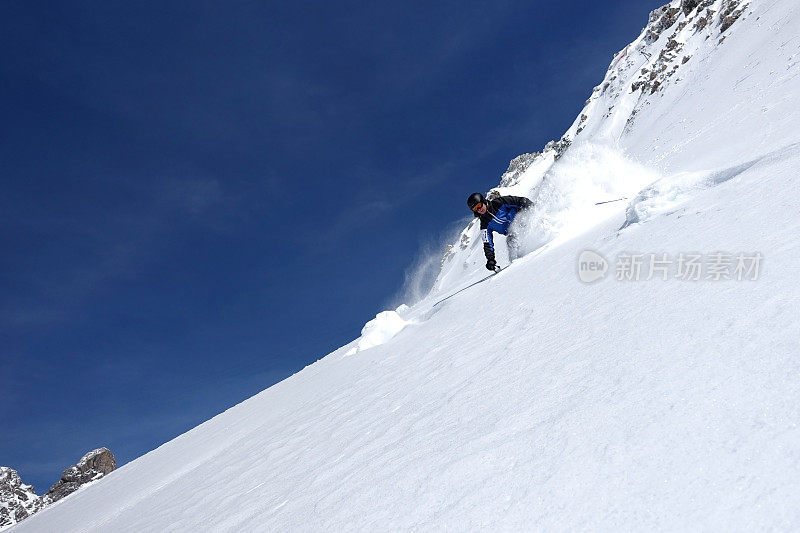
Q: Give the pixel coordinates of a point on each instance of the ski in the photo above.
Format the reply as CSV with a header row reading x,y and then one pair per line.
x,y
498,269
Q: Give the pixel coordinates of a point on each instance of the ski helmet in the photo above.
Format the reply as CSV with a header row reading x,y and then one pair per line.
x,y
475,199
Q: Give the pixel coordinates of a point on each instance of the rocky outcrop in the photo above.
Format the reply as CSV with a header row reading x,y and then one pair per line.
x,y
687,6
672,19
730,13
660,19
521,163
17,500
516,167
559,147
92,466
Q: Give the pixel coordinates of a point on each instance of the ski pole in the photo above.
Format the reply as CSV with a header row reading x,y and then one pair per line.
x,y
610,201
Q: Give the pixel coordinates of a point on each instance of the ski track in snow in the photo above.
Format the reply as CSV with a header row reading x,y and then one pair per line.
x,y
534,401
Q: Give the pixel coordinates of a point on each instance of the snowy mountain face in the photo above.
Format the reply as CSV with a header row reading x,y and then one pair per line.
x,y
662,395
610,150
17,500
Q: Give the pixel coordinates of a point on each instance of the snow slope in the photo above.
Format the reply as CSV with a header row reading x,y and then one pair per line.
x,y
534,400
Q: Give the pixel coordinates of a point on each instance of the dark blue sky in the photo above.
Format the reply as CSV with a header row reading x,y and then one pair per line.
x,y
200,198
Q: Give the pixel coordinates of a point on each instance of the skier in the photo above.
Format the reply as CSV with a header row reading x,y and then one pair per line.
x,y
497,215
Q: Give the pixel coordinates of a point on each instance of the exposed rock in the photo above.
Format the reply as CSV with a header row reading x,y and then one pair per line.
x,y
631,119
703,21
687,6
583,120
696,14
730,13
92,466
17,500
559,147
655,87
516,167
672,44
660,19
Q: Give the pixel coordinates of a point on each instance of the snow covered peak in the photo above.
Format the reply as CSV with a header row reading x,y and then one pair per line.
x,y
17,500
675,34
597,159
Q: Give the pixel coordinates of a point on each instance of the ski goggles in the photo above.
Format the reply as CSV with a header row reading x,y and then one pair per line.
x,y
477,206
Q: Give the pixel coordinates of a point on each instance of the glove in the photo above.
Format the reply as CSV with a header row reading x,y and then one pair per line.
x,y
491,264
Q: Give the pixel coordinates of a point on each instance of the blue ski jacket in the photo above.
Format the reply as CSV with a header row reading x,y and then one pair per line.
x,y
500,212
